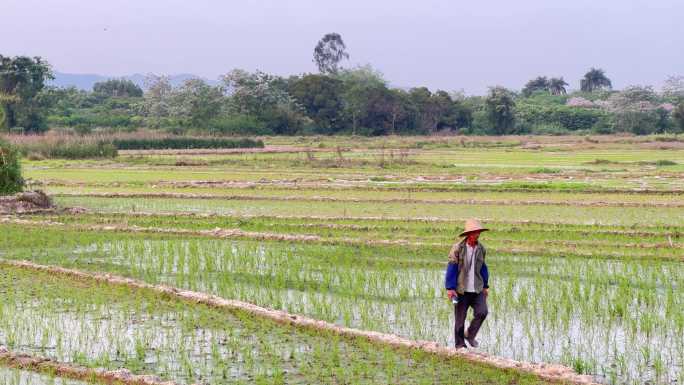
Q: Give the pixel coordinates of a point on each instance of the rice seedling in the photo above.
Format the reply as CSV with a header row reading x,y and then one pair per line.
x,y
541,213
544,308
97,324
585,259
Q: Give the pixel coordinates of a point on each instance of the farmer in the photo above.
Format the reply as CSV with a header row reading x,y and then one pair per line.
x,y
467,280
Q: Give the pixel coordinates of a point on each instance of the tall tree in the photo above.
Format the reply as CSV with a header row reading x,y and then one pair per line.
x,y
252,93
329,52
21,80
321,97
265,97
557,86
434,111
359,85
377,116
499,107
635,110
678,116
674,87
195,103
541,83
443,108
425,119
158,96
399,109
594,80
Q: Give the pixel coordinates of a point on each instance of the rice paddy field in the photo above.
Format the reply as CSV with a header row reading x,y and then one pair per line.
x,y
585,255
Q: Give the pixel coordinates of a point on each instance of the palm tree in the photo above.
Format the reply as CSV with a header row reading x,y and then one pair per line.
x,y
538,84
557,86
594,80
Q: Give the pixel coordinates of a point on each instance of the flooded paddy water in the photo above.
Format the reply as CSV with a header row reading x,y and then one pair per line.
x,y
618,319
585,260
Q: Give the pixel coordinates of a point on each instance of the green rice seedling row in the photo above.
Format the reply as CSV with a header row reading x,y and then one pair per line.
x,y
542,308
539,213
406,195
565,240
99,325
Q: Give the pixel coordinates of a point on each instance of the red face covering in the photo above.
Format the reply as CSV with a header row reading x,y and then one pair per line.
x,y
471,238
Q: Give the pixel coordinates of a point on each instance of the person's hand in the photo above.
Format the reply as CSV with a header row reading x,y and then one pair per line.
x,y
485,291
451,294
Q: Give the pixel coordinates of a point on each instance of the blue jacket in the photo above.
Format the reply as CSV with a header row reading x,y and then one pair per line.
x,y
451,278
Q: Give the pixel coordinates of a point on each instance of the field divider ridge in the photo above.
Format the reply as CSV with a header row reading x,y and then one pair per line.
x,y
81,210
484,202
361,184
75,372
235,233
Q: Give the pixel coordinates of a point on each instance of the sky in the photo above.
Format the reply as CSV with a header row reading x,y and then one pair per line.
x,y
442,44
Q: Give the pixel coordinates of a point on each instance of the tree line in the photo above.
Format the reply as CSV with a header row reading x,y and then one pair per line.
x,y
336,100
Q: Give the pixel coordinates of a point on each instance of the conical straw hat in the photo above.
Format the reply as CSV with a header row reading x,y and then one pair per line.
x,y
472,225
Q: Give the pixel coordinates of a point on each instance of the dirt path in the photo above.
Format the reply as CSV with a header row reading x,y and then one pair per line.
x,y
676,228
486,202
362,183
218,151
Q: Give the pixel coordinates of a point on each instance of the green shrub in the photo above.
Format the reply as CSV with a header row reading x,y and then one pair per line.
x,y
75,150
545,98
546,170
548,129
67,149
238,125
637,122
93,120
184,143
10,170
605,125
602,161
569,118
550,185
668,138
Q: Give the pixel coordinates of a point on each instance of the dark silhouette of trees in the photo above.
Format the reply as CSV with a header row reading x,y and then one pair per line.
x,y
21,80
678,116
321,97
557,86
594,80
499,107
541,83
117,88
357,100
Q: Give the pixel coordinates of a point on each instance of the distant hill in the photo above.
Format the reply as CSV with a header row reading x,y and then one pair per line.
x,y
86,81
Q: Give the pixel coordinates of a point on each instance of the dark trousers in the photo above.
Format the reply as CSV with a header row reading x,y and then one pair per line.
x,y
478,302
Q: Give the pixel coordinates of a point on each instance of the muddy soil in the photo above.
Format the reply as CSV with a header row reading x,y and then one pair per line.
x,y
26,202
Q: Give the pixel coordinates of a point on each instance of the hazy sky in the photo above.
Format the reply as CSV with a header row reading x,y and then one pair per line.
x,y
446,44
